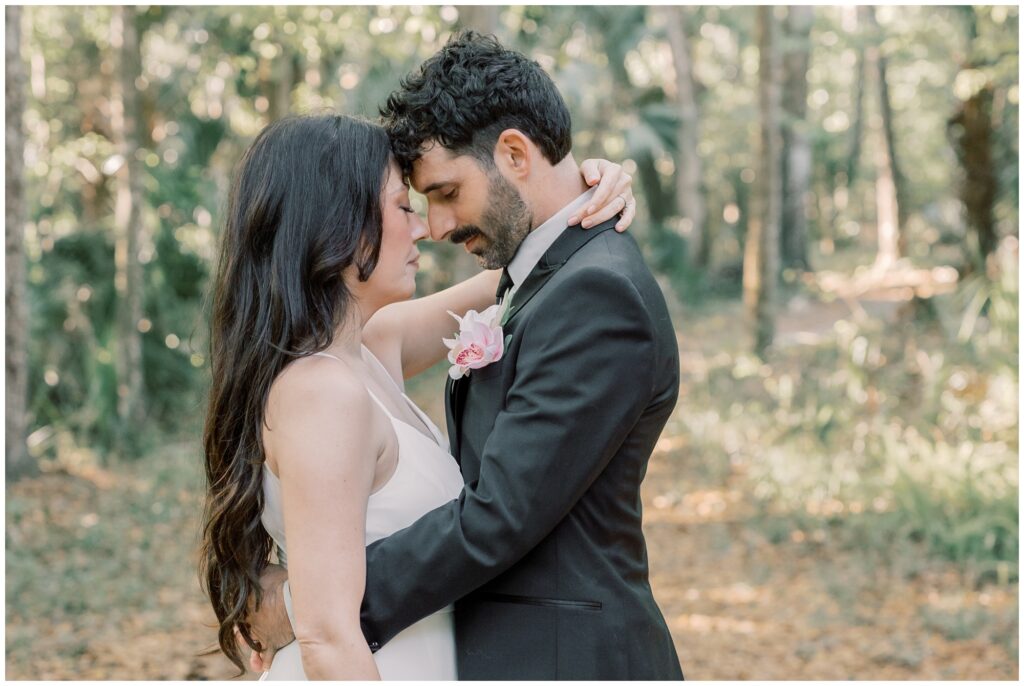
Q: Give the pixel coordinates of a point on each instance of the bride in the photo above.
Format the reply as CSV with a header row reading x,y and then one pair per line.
x,y
311,445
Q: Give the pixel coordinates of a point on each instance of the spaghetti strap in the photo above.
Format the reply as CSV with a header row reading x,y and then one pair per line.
x,y
380,365
375,398
420,414
333,357
432,432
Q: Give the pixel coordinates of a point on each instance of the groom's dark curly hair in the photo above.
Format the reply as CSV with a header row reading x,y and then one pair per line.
x,y
466,94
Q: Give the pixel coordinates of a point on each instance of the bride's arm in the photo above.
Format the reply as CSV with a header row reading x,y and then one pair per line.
x,y
406,336
322,446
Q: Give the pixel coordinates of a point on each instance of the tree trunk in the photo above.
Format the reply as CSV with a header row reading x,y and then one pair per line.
x,y
889,128
659,199
480,18
761,255
796,145
689,198
741,192
827,201
889,188
972,131
276,78
127,219
857,125
19,462
886,208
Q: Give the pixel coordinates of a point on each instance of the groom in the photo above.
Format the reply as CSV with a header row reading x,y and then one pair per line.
x,y
543,553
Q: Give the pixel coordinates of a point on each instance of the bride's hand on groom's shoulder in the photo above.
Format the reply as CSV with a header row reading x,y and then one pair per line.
x,y
614,195
269,624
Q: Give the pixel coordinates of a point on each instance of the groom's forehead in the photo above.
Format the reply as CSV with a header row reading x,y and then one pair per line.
x,y
438,166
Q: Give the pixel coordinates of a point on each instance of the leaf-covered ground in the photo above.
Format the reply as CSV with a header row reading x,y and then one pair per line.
x,y
102,586
810,607
101,580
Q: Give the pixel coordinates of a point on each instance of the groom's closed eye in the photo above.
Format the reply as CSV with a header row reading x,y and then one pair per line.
x,y
444,195
441,189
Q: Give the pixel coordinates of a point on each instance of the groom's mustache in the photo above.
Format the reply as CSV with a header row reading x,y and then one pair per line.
x,y
463,234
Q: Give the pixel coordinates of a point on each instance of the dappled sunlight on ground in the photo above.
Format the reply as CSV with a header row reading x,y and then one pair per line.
x,y
697,506
102,579
810,608
807,606
101,562
756,589
703,624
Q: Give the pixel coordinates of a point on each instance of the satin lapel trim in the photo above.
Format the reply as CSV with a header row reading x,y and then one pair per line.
x,y
449,416
534,282
454,399
571,240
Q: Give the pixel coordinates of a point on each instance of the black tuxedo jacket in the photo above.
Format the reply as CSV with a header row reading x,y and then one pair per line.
x,y
543,553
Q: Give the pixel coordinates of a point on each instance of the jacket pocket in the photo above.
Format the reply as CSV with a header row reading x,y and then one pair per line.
x,y
591,605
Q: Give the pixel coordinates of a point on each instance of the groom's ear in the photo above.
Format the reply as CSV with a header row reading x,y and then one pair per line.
x,y
514,153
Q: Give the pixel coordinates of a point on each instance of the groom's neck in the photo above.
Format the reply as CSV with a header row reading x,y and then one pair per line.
x,y
556,186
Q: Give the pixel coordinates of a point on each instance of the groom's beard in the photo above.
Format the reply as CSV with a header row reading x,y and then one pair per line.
x,y
503,226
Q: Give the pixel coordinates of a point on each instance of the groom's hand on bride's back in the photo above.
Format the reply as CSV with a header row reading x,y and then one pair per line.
x,y
269,625
258,662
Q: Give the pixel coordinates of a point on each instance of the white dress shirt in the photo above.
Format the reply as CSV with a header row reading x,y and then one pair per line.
x,y
540,239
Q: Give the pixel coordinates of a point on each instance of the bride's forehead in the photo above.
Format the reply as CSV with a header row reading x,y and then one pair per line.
x,y
396,184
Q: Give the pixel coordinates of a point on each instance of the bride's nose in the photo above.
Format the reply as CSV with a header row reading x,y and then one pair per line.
x,y
419,229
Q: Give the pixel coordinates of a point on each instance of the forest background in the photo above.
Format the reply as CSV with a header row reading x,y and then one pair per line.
x,y
828,195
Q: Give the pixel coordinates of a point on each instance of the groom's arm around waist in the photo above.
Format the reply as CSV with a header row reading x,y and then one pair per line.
x,y
584,374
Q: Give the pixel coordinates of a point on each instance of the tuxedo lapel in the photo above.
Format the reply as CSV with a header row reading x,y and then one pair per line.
x,y
571,240
533,283
454,399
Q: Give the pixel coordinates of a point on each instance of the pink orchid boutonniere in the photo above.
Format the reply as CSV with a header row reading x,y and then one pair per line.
x,y
478,342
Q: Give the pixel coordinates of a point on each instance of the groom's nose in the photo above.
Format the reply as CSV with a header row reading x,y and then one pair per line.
x,y
440,225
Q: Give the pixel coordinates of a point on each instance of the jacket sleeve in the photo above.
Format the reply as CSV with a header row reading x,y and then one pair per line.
x,y
583,377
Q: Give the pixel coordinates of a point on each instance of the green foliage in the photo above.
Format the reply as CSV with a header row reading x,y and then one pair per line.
x,y
71,290
908,423
910,436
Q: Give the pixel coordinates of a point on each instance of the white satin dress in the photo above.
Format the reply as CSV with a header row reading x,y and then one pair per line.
x,y
426,477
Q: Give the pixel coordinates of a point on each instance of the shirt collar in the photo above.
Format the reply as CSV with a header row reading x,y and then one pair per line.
x,y
540,239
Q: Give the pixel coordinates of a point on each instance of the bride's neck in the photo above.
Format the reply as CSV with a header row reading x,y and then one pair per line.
x,y
348,337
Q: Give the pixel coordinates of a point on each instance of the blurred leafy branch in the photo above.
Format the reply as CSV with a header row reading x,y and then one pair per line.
x,y
874,413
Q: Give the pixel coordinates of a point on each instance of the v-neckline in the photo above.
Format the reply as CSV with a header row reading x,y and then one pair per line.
x,y
430,433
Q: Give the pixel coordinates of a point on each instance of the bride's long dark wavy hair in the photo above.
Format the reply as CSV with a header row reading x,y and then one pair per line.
x,y
304,206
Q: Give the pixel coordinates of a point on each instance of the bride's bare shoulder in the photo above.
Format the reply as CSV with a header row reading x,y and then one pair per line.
x,y
315,405
316,384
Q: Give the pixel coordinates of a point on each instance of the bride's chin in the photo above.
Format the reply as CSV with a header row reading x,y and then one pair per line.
x,y
410,289
405,292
